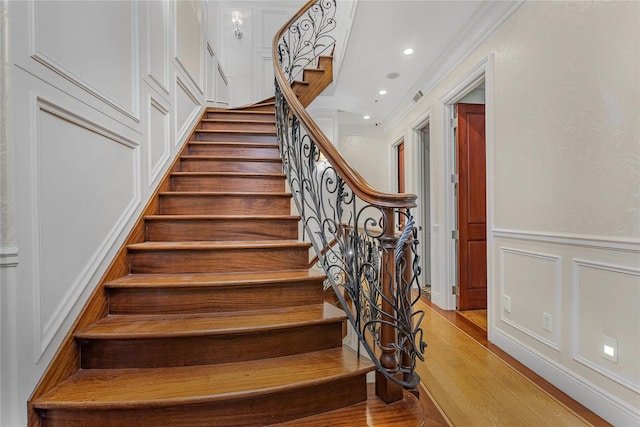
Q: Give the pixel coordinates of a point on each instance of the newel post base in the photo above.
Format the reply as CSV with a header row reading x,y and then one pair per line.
x,y
387,390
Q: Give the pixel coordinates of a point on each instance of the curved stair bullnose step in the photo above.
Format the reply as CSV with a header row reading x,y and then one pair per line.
x,y
279,389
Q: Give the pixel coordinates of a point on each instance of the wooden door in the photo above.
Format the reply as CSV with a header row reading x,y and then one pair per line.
x,y
472,208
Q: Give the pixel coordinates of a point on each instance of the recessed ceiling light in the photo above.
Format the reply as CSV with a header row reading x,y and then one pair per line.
x,y
408,51
382,92
366,117
392,76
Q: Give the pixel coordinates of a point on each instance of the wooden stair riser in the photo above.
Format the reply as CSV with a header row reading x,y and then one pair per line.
x,y
218,260
276,407
222,136
232,164
270,107
269,151
234,126
256,116
180,229
218,299
206,350
193,181
206,204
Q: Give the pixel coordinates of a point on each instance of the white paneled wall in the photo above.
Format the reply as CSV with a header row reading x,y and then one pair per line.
x,y
104,94
248,62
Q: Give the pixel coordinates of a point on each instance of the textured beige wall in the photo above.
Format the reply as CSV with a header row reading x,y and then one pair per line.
x,y
566,112
565,180
370,156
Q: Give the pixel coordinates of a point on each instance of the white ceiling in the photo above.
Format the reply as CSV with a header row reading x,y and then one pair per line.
x,y
441,34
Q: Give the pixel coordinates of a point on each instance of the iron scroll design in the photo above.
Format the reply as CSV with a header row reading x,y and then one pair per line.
x,y
307,38
371,267
357,254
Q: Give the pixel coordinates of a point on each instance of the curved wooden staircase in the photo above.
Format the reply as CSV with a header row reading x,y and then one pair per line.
x,y
217,320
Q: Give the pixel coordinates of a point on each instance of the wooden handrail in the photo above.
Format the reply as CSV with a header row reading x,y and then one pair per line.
x,y
353,179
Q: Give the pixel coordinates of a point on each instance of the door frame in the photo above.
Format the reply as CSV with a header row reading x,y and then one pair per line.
x,y
418,159
483,71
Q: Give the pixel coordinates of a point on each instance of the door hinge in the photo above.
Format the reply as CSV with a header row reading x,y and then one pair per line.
x,y
454,122
454,290
455,235
454,178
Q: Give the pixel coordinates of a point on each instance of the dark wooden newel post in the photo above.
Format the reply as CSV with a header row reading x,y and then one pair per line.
x,y
388,390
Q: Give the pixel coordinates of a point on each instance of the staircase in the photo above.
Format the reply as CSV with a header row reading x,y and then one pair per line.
x,y
219,321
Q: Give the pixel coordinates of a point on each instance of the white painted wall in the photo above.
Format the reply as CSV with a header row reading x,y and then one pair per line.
x,y
563,100
248,61
103,94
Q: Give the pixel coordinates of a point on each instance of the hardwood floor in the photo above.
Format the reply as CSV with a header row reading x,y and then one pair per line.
x,y
477,384
477,317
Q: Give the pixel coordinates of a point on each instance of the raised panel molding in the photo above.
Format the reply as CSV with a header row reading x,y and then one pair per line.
x,y
222,86
158,43
614,313
270,22
44,227
189,24
157,137
186,109
537,262
267,87
85,75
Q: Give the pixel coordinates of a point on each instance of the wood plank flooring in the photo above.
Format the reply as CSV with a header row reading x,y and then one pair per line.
x,y
472,383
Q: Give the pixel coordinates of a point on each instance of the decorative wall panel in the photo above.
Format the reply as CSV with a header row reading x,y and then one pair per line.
x,y
76,40
189,41
270,23
606,298
80,207
158,137
158,43
186,107
533,283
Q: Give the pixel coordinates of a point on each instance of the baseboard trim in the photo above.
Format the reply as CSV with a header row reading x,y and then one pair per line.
x,y
601,402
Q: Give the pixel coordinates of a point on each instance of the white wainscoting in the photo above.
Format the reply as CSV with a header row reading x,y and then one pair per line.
x,y
532,281
189,44
158,24
601,292
157,136
187,106
75,39
592,284
80,207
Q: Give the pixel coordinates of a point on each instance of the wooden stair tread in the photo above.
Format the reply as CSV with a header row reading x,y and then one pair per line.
x,y
230,174
225,110
216,279
165,326
217,245
407,412
154,387
221,217
239,121
231,158
236,143
238,131
226,193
